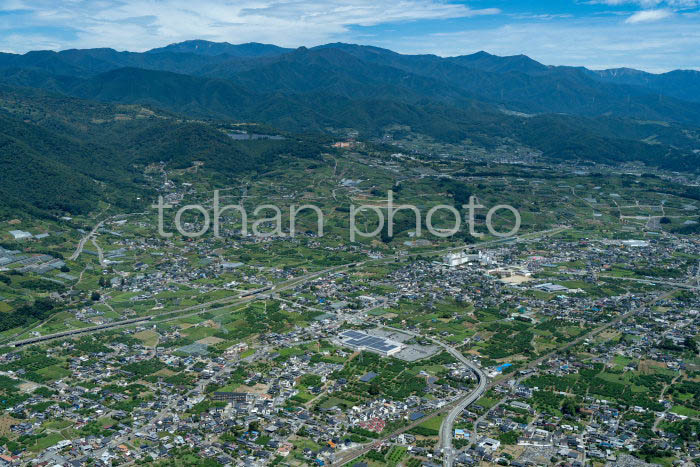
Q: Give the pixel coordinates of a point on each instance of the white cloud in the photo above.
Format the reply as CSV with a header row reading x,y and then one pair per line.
x,y
142,24
674,4
646,16
598,41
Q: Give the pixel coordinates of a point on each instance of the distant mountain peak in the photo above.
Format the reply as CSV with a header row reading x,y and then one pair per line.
x,y
489,62
204,47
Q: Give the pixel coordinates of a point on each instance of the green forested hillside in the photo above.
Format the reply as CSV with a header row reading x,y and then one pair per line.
x,y
64,155
354,71
80,126
31,180
368,89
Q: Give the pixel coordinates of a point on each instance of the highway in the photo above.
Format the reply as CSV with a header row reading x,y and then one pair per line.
x,y
239,299
680,285
83,241
449,453
194,310
75,332
446,428
453,408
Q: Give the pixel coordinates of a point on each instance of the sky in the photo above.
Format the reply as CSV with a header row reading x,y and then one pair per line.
x,y
652,35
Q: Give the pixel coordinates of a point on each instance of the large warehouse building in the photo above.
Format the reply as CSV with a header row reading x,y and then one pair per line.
x,y
361,341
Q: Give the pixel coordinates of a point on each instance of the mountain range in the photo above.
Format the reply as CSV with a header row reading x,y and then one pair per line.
x,y
564,112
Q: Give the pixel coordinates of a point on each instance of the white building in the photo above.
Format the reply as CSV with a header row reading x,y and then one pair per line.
x,y
20,234
635,243
358,340
457,259
490,444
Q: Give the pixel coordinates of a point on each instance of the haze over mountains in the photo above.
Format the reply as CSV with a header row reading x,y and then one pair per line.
x,y
565,112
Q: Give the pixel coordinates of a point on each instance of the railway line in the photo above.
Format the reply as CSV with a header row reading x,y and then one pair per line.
x,y
75,332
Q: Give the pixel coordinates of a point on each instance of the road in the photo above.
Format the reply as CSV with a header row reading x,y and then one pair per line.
x,y
447,427
455,408
559,350
74,332
100,253
83,241
91,235
663,392
237,300
197,309
680,285
171,408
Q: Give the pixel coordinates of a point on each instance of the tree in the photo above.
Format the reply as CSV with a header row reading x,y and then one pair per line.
x,y
509,438
569,407
95,296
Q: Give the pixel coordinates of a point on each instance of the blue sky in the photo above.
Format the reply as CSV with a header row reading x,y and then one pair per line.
x,y
654,35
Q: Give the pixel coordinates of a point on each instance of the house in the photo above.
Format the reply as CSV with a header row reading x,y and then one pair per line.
x,y
490,444
233,396
20,234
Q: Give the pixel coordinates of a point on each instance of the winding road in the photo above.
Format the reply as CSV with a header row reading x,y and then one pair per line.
x,y
447,427
83,241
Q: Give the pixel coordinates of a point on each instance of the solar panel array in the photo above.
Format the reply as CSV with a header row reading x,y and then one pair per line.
x,y
360,339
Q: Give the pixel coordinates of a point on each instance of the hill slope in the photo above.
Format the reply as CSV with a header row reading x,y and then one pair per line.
x,y
571,113
64,155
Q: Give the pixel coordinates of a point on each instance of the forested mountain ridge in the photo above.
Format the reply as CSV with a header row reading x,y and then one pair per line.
x,y
469,71
92,119
63,155
354,72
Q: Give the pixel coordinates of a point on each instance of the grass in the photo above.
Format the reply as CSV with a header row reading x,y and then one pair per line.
x,y
304,396
230,387
199,332
621,362
433,423
377,312
148,337
302,443
333,401
664,461
5,422
487,402
57,424
46,442
54,372
687,411
395,455
248,353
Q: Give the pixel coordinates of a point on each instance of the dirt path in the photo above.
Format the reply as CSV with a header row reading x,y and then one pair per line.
x,y
663,392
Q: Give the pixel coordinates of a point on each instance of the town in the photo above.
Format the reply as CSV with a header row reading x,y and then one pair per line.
x,y
544,349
